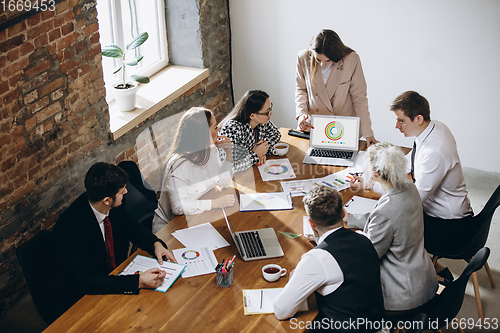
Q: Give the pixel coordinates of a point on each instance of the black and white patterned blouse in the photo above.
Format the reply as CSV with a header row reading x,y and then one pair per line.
x,y
243,140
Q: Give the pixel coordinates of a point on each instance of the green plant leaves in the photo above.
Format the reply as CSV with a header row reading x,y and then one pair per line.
x,y
138,41
112,51
140,78
134,62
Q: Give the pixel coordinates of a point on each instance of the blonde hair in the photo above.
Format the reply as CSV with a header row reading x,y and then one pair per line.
x,y
388,161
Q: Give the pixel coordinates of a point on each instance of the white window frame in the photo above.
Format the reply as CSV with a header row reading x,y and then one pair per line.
x,y
117,35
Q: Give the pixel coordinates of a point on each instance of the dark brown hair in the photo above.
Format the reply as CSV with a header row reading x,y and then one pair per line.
x,y
412,104
323,205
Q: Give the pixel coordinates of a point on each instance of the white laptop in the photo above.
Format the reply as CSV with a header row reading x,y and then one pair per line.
x,y
255,244
334,140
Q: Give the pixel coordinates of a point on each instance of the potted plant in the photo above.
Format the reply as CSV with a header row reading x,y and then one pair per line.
x,y
125,91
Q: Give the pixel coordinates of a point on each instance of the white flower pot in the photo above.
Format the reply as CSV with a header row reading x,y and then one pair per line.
x,y
125,98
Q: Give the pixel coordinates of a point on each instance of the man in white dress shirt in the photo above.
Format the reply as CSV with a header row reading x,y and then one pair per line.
x,y
435,167
343,270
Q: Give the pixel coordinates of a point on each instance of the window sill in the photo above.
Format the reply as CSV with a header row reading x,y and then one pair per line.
x,y
164,88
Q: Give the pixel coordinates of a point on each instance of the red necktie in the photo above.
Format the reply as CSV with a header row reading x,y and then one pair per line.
x,y
108,233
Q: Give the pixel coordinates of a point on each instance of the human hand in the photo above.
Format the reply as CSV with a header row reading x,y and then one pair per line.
x,y
346,216
152,278
357,185
227,200
262,160
261,148
304,123
371,140
223,142
161,252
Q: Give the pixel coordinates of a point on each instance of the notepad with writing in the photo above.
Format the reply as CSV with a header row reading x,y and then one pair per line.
x,y
260,301
141,264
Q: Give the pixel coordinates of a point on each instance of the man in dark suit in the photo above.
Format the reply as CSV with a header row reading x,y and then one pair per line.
x,y
93,236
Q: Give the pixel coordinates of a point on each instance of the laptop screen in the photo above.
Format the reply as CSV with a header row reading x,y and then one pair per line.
x,y
335,132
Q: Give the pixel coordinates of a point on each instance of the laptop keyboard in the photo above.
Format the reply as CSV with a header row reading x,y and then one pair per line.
x,y
331,153
252,244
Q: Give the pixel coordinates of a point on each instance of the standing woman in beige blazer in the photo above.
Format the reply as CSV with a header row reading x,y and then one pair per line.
x,y
330,81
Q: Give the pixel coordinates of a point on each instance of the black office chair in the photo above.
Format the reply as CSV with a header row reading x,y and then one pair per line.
x,y
444,307
483,222
40,266
140,202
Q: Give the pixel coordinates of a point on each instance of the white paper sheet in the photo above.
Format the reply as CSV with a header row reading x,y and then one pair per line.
x,y
203,235
360,205
258,301
141,264
265,201
276,170
198,261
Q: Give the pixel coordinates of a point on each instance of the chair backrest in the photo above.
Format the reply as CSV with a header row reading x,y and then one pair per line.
x,y
38,259
483,221
140,202
448,304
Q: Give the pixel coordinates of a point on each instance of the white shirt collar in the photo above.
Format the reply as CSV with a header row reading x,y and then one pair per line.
x,y
425,133
326,234
98,215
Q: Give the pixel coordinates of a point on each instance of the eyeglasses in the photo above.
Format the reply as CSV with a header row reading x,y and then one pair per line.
x,y
268,111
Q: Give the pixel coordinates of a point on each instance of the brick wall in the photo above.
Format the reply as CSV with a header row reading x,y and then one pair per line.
x,y
54,119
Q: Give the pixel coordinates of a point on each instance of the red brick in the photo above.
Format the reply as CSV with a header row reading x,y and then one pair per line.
x,y
30,97
41,41
34,83
94,50
38,105
54,34
15,67
48,88
47,112
68,65
26,48
38,68
17,132
73,3
8,163
34,20
11,96
13,55
3,35
14,80
30,123
12,43
14,107
4,87
43,28
3,61
57,94
17,29
21,193
47,14
63,43
52,48
88,30
60,19
5,139
6,190
94,38
84,69
67,28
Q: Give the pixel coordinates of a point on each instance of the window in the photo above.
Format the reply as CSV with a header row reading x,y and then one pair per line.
x,y
122,20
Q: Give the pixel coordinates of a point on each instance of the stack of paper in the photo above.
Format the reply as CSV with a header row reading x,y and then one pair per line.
x,y
276,169
141,264
360,205
203,235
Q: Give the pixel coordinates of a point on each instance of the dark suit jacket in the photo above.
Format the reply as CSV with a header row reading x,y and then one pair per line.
x,y
83,250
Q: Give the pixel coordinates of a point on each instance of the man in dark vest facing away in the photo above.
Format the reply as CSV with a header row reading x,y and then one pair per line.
x,y
343,270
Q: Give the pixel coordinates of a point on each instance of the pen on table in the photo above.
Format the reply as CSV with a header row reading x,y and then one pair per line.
x,y
328,184
258,144
356,173
261,297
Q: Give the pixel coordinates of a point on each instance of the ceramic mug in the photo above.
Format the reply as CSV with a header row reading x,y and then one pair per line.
x,y
280,149
273,272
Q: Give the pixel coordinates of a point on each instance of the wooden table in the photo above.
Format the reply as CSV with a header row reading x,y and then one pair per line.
x,y
197,304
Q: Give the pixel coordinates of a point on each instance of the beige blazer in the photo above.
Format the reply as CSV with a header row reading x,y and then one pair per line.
x,y
343,95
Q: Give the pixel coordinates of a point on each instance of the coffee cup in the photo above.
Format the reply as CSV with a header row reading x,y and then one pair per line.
x,y
280,149
273,272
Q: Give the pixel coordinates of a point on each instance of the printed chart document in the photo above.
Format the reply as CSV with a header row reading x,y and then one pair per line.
x,y
198,261
141,264
360,205
276,170
203,235
265,201
259,301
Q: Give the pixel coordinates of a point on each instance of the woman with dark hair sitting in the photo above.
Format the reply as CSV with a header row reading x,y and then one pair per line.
x,y
250,130
198,161
330,81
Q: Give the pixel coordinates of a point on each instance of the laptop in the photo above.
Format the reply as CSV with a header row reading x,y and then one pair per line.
x,y
255,244
334,140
